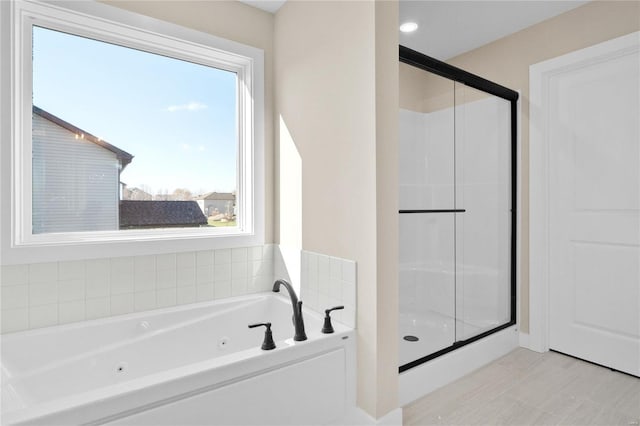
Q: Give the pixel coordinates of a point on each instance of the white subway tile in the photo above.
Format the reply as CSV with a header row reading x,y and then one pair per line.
x,y
323,302
121,284
266,270
349,293
204,274
71,312
144,263
222,289
239,286
60,292
204,258
97,269
43,316
324,273
14,320
99,307
74,270
186,295
71,290
97,287
222,256
312,260
15,296
310,299
186,277
43,272
254,268
121,266
254,285
166,297
43,294
121,304
166,278
304,269
204,292
121,272
144,301
166,261
145,277
14,274
335,289
222,272
313,280
255,253
186,260
239,254
335,268
349,271
239,270
260,284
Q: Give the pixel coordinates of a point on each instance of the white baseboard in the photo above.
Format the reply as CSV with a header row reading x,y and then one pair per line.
x,y
358,417
524,340
394,418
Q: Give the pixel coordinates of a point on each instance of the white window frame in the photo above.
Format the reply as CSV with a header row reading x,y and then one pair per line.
x,y
114,25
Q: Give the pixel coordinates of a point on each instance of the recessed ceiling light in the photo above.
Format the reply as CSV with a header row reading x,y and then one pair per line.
x,y
408,27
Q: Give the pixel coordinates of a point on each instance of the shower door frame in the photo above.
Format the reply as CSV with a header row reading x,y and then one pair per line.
x,y
432,65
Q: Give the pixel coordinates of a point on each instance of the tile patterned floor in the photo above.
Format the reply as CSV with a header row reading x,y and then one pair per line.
x,y
529,388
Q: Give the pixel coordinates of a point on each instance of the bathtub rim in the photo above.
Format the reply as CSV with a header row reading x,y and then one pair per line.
x,y
140,394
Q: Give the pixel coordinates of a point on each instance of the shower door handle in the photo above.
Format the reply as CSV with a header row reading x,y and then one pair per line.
x,y
433,211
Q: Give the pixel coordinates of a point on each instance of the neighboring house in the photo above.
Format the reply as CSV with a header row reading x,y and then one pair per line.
x,y
135,194
214,203
160,214
76,177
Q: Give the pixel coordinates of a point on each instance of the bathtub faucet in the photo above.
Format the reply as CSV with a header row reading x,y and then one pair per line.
x,y
297,309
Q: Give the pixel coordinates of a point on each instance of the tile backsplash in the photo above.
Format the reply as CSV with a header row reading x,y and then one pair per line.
x,y
327,281
45,294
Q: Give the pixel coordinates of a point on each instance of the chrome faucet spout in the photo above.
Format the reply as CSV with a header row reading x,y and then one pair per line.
x,y
296,304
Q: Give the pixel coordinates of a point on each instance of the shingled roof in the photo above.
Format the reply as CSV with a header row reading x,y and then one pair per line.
x,y
160,214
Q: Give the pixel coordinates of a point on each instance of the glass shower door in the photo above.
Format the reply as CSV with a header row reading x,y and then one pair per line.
x,y
457,236
483,231
427,226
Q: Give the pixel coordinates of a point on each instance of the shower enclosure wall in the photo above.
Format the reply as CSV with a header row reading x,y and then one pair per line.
x,y
457,208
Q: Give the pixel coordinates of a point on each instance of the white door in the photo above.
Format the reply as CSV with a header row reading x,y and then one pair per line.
x,y
594,208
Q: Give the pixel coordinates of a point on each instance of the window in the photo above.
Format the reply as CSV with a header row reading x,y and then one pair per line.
x,y
125,132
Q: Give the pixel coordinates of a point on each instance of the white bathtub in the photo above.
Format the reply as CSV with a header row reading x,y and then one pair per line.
x,y
195,364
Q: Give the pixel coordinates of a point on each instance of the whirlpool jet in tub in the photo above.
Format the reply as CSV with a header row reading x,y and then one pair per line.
x,y
193,364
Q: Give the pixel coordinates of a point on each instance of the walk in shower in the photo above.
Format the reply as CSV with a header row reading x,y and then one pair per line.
x,y
457,208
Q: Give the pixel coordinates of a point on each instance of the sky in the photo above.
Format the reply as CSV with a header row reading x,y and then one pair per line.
x,y
178,119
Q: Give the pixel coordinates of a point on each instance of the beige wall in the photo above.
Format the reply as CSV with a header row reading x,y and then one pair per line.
x,y
387,204
507,62
336,102
425,92
234,21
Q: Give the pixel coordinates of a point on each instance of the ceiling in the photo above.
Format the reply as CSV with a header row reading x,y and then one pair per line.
x,y
271,6
450,28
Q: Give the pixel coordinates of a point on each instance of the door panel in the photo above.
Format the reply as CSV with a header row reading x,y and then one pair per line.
x,y
594,187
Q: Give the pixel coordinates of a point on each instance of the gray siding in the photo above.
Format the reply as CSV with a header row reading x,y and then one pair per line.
x,y
75,182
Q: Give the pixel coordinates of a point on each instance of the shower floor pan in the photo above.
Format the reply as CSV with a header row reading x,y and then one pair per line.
x,y
434,331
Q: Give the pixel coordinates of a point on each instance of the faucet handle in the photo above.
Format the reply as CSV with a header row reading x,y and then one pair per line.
x,y
268,342
327,328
